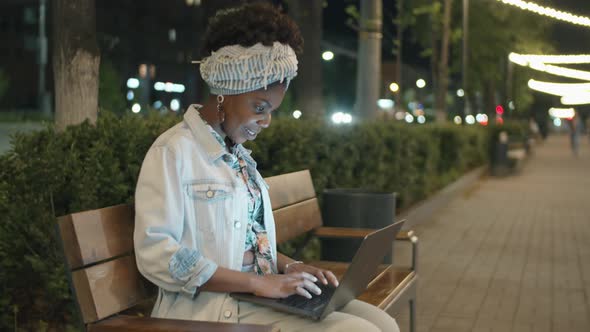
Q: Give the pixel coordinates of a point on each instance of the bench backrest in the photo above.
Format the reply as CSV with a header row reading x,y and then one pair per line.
x,y
294,204
98,246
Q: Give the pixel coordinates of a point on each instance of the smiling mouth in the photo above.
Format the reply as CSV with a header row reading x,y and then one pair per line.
x,y
251,134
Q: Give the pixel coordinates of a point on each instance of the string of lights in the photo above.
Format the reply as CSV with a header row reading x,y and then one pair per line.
x,y
537,62
564,72
560,89
525,59
576,99
570,93
550,12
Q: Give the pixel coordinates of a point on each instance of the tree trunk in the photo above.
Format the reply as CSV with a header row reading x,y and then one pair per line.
x,y
76,60
443,76
308,84
491,100
398,59
368,87
434,57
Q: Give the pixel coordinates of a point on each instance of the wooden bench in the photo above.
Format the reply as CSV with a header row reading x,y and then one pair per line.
x,y
517,154
112,295
509,155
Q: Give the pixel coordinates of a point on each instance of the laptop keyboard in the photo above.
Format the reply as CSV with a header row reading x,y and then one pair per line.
x,y
314,303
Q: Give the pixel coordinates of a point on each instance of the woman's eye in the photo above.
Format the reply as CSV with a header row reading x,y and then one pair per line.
x,y
259,109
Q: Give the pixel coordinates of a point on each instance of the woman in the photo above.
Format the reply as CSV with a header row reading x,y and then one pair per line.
x,y
204,225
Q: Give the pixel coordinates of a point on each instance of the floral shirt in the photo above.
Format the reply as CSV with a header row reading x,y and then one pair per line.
x,y
256,236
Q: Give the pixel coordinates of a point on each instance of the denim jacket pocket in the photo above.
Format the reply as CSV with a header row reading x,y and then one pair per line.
x,y
210,204
210,192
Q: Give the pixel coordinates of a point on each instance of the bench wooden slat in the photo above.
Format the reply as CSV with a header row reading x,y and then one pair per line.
x,y
387,282
93,236
297,219
386,286
342,232
125,323
291,188
345,232
108,288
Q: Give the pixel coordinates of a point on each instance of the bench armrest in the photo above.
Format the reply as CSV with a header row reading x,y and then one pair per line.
x,y
406,236
124,323
411,237
342,232
345,232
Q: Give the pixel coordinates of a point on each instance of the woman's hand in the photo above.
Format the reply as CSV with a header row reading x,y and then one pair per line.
x,y
324,276
284,285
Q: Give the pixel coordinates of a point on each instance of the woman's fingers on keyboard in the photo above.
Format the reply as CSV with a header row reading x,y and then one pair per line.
x,y
307,276
332,278
309,285
322,277
301,291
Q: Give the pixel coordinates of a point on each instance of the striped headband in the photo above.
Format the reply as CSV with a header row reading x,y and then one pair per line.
x,y
236,69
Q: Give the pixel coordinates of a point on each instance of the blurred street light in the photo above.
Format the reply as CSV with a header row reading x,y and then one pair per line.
x,y
420,83
341,117
394,87
562,113
385,104
175,105
132,83
328,55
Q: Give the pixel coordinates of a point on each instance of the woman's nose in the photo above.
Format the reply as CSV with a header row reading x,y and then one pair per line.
x,y
265,121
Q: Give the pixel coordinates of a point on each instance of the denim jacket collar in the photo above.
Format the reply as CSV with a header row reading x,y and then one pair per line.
x,y
213,148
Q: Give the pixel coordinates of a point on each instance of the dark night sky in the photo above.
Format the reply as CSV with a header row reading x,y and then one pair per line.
x,y
571,38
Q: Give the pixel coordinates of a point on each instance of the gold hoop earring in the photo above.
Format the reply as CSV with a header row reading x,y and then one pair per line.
x,y
220,110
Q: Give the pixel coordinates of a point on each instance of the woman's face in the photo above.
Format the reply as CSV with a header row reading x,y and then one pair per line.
x,y
248,113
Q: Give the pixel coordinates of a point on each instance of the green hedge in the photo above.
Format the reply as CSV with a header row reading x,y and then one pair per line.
x,y
48,174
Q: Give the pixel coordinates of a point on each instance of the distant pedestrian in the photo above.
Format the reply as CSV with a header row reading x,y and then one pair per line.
x,y
534,128
575,127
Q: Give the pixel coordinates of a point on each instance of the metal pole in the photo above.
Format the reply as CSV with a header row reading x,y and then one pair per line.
x,y
465,56
369,60
398,60
43,102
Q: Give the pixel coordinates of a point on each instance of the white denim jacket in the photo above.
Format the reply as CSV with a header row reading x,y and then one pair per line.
x,y
191,212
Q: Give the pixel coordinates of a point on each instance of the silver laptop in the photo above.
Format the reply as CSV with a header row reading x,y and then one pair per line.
x,y
355,281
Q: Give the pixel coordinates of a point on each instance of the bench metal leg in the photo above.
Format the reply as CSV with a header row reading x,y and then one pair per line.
x,y
413,315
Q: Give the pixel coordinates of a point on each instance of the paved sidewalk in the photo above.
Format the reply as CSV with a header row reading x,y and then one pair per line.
x,y
511,254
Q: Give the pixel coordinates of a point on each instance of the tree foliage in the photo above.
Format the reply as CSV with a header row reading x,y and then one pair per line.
x,y
495,30
110,93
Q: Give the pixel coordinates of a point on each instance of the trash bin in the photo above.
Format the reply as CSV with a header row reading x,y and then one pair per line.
x,y
354,208
499,163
